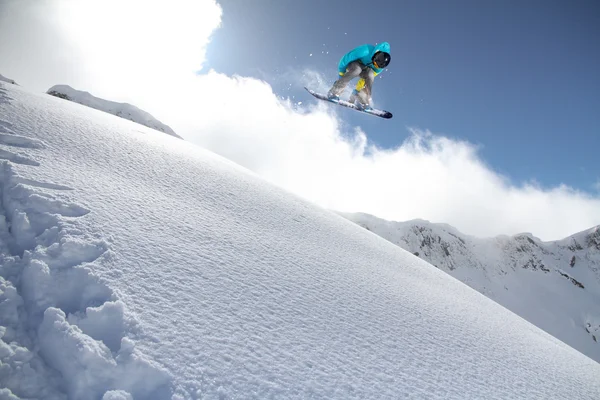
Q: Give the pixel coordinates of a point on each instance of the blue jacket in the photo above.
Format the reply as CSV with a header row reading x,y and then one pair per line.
x,y
364,54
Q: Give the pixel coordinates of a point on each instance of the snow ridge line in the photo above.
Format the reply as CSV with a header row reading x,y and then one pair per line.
x,y
62,329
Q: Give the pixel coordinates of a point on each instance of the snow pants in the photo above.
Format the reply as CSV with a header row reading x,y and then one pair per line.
x,y
364,86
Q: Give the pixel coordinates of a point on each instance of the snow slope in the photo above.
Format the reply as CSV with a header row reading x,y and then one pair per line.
x,y
137,266
554,285
123,110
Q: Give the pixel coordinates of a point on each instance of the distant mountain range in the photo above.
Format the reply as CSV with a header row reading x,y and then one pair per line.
x,y
554,285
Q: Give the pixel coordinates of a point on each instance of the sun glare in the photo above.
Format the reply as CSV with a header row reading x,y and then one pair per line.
x,y
126,45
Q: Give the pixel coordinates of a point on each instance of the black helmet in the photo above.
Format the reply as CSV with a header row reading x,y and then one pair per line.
x,y
381,59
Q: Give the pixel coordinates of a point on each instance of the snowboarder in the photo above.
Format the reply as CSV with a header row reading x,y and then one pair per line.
x,y
366,62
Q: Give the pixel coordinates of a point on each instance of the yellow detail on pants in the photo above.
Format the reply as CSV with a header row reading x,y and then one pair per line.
x,y
360,84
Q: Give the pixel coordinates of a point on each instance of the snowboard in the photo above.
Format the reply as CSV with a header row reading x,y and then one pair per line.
x,y
344,103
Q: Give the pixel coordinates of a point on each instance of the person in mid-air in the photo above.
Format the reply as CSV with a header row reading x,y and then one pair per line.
x,y
366,62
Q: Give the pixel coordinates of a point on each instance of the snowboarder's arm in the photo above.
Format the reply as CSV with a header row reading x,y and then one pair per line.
x,y
356,54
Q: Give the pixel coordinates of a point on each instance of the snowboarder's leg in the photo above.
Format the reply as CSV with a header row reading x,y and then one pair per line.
x,y
353,97
353,70
364,88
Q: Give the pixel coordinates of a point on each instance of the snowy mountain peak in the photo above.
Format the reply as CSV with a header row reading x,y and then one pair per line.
x,y
588,239
555,285
594,238
123,110
528,236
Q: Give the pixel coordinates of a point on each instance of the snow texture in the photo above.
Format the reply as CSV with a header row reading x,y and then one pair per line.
x,y
123,110
137,266
554,285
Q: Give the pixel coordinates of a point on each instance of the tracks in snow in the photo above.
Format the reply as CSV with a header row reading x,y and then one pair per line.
x,y
63,331
8,138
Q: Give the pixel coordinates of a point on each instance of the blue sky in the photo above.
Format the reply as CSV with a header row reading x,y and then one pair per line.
x,y
519,79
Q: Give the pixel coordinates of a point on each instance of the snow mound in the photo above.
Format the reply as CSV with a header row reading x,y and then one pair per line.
x,y
51,262
123,110
8,80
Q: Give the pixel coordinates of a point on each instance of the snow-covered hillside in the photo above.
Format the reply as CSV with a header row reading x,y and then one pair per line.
x,y
134,265
8,80
555,285
123,110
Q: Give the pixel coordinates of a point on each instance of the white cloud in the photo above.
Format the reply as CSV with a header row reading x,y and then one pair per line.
x,y
429,176
32,49
146,52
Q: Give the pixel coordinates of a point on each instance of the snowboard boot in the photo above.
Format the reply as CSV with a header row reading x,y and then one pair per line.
x,y
363,107
355,99
332,96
